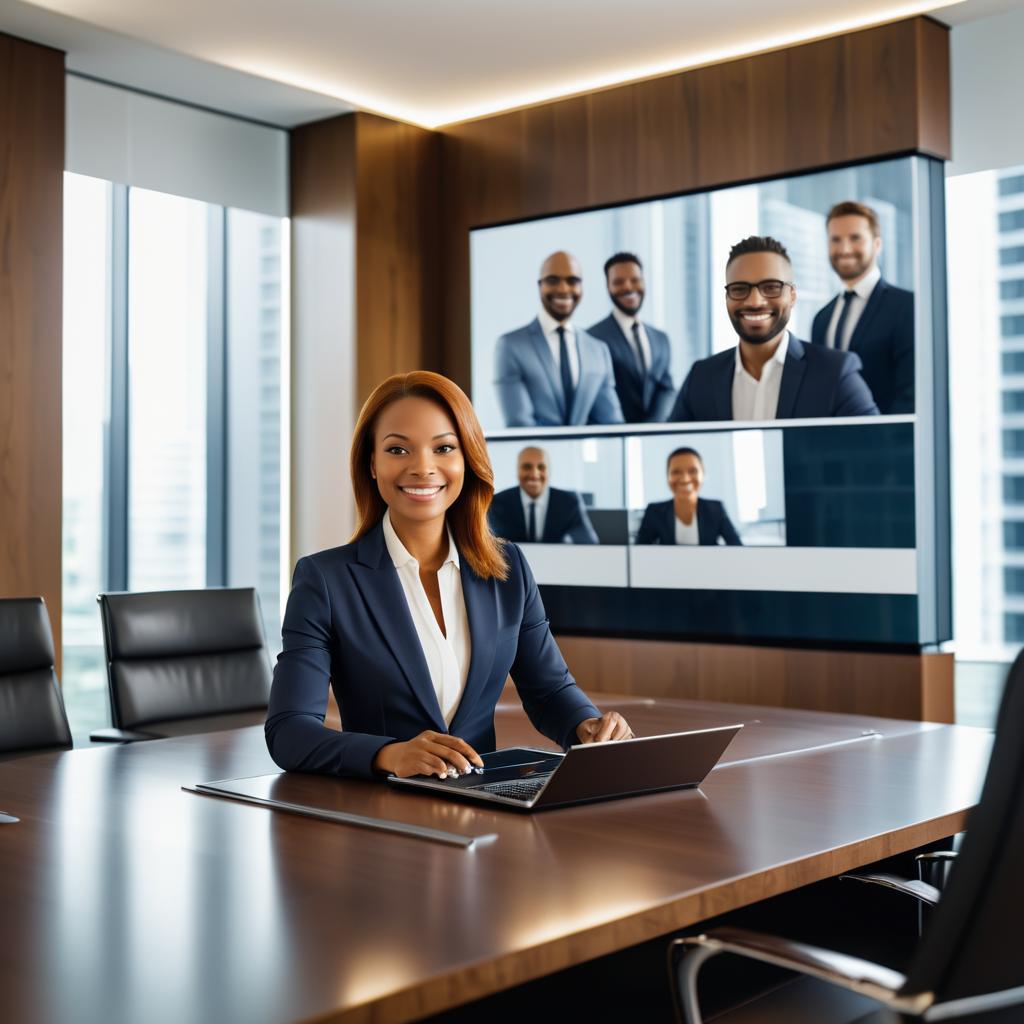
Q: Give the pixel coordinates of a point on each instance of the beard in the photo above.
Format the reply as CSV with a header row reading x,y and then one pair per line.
x,y
625,309
759,339
851,271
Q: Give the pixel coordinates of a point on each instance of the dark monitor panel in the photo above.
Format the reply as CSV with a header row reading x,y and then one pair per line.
x,y
798,531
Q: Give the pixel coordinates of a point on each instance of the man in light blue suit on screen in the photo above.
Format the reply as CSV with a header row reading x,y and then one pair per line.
x,y
550,373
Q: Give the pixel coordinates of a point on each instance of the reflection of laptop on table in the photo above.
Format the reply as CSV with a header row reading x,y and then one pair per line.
x,y
532,780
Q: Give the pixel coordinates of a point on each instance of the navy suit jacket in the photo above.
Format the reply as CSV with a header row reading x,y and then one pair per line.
x,y
530,387
566,517
647,399
816,381
659,523
884,340
348,625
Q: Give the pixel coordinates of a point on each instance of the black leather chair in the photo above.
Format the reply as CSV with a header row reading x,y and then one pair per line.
x,y
183,661
32,717
968,965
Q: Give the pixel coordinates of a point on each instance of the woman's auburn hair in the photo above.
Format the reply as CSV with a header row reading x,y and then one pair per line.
x,y
467,517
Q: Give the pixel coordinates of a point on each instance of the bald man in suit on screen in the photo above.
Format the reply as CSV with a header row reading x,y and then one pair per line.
x,y
551,373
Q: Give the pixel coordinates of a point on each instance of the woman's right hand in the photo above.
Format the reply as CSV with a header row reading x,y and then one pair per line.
x,y
430,753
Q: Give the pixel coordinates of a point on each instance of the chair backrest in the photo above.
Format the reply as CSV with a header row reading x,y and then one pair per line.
x,y
972,945
32,714
184,654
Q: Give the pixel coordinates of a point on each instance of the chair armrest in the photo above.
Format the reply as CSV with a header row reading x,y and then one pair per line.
x,y
849,972
909,887
121,736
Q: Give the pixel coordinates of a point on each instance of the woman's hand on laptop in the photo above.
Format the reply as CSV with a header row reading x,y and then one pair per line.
x,y
610,726
430,753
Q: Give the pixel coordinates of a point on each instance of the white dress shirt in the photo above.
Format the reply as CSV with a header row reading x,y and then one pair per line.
x,y
759,399
448,656
541,513
862,292
549,325
687,534
625,323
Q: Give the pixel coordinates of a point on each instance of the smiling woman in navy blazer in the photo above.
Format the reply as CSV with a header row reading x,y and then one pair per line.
x,y
417,622
685,518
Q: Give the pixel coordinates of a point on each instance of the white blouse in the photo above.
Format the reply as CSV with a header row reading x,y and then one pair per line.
x,y
448,656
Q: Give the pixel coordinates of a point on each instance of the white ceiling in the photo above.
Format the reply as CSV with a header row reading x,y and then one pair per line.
x,y
430,62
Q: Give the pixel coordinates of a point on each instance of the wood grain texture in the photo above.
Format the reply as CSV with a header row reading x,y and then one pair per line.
x,y
863,95
396,257
212,910
323,331
31,252
908,686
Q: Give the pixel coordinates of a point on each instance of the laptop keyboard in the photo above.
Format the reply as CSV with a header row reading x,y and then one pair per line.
x,y
516,790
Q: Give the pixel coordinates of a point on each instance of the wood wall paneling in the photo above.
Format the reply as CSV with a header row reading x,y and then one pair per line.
x,y
397,265
31,255
323,226
912,686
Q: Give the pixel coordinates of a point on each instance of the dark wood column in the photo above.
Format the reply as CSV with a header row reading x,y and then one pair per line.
x,y
31,253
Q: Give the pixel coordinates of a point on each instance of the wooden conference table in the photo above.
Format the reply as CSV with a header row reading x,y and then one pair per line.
x,y
124,898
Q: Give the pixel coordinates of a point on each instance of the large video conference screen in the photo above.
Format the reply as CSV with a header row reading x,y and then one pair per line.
x,y
713,415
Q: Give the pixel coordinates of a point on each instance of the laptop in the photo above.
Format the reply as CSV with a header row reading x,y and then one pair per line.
x,y
530,779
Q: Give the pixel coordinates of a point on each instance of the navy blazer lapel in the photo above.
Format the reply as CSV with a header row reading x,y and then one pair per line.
x,y
543,352
627,353
792,374
377,579
703,521
870,312
722,397
482,613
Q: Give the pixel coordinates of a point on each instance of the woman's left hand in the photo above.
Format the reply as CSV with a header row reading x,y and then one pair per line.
x,y
610,726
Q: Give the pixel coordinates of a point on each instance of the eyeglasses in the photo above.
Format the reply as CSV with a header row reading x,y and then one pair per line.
x,y
553,280
769,289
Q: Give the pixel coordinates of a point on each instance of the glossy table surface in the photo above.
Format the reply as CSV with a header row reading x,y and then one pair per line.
x,y
125,898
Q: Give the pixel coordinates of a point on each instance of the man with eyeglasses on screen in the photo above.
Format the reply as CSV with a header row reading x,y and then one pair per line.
x,y
770,374
550,373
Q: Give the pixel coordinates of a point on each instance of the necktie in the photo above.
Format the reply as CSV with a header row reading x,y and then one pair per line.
x,y
531,529
567,387
837,341
641,365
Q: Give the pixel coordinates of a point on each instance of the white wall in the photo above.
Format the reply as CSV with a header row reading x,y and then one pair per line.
x,y
987,93
139,140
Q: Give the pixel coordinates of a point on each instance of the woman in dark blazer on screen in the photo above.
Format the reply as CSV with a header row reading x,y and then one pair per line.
x,y
419,620
686,518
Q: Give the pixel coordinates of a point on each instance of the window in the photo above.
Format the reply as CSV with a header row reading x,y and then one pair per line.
x,y
172,410
86,420
1012,326
1013,626
1011,185
1013,490
1011,220
1013,535
1013,443
986,409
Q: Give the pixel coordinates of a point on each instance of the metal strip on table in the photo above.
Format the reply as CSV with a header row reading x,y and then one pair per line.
x,y
344,818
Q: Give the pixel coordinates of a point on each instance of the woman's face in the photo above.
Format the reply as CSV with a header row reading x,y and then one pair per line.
x,y
685,475
417,460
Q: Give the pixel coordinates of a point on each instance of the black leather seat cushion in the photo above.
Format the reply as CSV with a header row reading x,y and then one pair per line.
x,y
32,714
184,654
